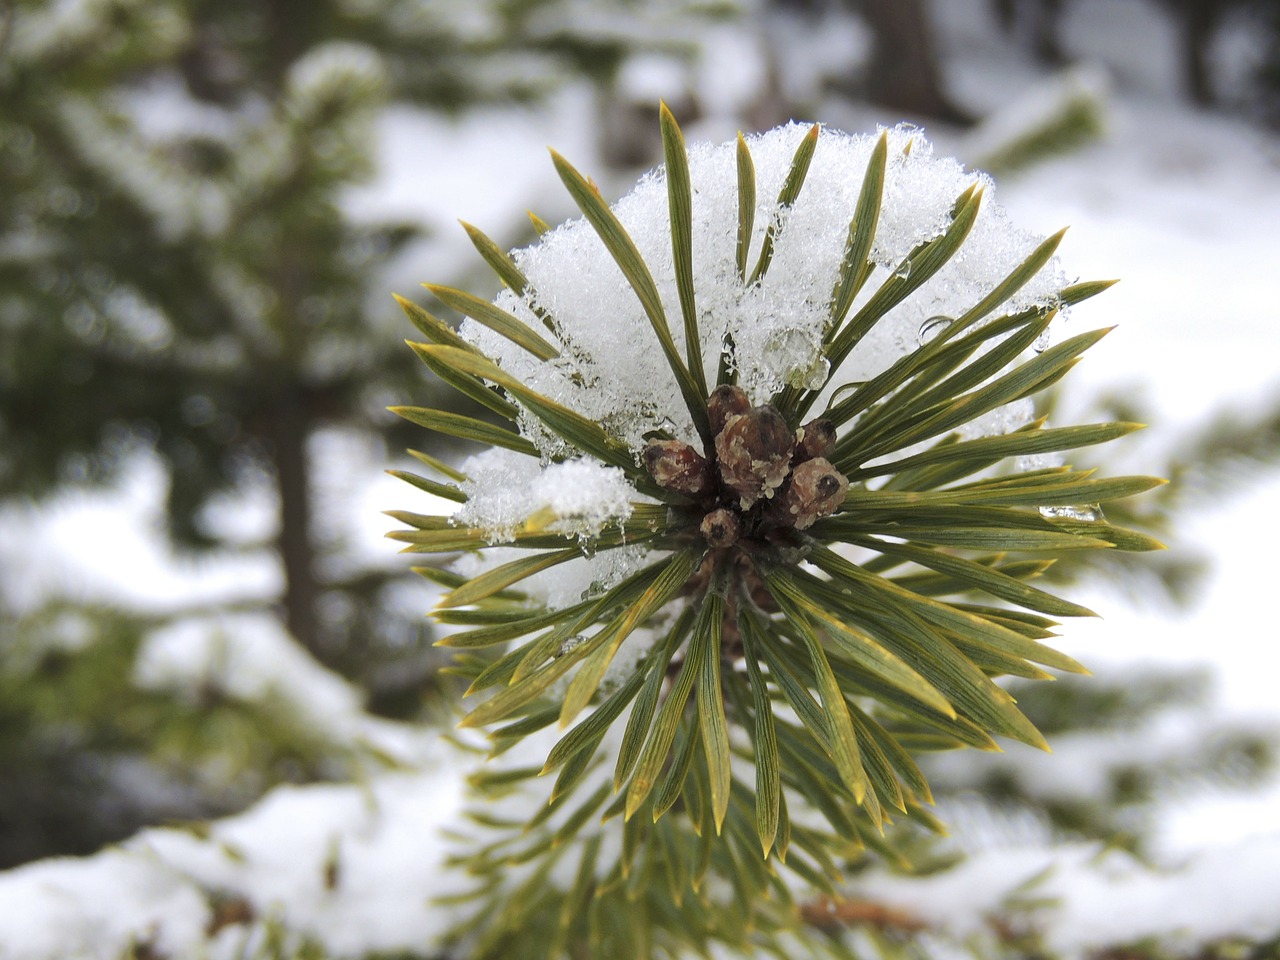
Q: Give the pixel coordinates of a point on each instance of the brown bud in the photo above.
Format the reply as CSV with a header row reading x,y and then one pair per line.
x,y
677,466
725,401
754,453
721,528
817,438
815,491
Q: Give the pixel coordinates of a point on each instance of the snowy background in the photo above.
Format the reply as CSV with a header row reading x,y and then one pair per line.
x,y
1181,204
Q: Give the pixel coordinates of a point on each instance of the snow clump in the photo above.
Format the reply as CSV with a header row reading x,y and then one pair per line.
x,y
610,368
508,490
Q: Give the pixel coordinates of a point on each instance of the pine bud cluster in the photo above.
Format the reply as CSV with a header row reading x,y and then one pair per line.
x,y
760,476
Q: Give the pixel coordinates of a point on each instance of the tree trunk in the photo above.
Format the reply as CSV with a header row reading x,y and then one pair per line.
x,y
290,428
1035,22
289,27
1199,21
904,73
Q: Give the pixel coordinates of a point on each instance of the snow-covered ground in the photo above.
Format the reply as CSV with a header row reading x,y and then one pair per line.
x,y
1182,205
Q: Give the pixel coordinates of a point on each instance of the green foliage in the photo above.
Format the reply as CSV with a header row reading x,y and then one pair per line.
x,y
850,666
179,266
76,721
182,273
179,277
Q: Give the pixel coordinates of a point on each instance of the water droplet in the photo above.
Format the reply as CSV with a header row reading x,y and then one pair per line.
x,y
932,327
1043,342
812,377
839,393
904,270
796,359
571,643
1082,512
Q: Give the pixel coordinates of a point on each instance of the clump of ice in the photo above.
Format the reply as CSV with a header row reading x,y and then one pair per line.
x,y
507,490
1006,419
564,584
610,368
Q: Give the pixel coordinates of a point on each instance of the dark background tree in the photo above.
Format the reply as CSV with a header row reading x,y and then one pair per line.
x,y
200,291
181,279
1197,23
905,72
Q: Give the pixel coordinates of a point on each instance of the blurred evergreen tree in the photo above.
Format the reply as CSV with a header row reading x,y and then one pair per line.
x,y
92,748
179,276
177,272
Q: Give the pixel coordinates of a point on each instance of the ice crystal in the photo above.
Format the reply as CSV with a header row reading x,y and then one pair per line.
x,y
776,325
507,490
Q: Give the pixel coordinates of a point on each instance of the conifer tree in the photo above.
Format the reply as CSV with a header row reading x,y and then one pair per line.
x,y
180,275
